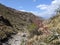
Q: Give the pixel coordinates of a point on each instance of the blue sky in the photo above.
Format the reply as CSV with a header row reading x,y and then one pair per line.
x,y
38,7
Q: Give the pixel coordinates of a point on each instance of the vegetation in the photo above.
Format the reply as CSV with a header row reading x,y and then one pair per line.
x,y
13,21
31,27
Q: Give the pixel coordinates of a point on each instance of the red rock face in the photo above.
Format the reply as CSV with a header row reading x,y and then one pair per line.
x,y
40,24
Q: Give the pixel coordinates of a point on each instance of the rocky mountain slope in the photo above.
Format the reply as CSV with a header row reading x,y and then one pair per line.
x,y
51,32
24,28
12,21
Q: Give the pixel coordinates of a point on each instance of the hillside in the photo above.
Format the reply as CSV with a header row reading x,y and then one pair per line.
x,y
25,28
51,32
12,21
54,22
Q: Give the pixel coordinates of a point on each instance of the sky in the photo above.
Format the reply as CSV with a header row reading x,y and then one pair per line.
x,y
43,8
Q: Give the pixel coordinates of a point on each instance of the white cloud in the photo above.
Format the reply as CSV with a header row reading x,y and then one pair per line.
x,y
34,12
43,6
48,9
22,10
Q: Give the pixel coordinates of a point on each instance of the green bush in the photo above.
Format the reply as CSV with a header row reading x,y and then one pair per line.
x,y
31,27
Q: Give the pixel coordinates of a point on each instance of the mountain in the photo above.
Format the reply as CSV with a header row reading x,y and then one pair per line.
x,y
12,21
20,28
54,22
53,25
51,32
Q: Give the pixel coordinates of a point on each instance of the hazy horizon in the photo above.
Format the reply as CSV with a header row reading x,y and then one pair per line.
x,y
43,8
